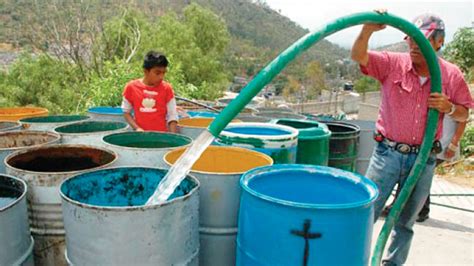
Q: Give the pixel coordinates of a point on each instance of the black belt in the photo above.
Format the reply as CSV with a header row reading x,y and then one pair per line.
x,y
405,148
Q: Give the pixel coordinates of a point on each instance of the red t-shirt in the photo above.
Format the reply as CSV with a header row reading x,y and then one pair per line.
x,y
149,103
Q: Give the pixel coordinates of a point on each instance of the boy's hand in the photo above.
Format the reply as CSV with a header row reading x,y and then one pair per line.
x,y
139,129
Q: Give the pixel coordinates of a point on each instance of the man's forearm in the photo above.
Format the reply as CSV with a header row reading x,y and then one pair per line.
x,y
461,114
459,132
359,49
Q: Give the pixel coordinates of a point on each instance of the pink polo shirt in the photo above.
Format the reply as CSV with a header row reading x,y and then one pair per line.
x,y
404,105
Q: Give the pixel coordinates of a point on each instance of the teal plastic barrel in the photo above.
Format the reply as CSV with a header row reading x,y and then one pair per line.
x,y
305,215
313,141
343,145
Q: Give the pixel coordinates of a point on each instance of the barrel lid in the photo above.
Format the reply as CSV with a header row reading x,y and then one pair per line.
x,y
307,129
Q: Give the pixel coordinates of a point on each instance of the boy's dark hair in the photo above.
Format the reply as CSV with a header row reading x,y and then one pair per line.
x,y
154,59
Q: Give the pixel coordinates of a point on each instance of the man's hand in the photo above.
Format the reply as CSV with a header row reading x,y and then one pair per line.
x,y
439,102
139,129
371,27
359,52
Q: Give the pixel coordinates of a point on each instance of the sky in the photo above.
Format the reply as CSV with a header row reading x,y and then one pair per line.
x,y
312,14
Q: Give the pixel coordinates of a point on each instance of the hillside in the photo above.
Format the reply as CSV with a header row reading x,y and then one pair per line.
x,y
394,47
267,28
248,21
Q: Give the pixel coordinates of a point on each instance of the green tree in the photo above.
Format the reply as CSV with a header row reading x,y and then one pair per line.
x,y
209,30
124,37
292,87
42,81
460,51
366,84
314,79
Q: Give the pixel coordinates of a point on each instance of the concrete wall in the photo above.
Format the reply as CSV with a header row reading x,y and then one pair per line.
x,y
368,112
371,98
317,107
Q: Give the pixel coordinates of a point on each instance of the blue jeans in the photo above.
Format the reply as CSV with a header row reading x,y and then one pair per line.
x,y
388,167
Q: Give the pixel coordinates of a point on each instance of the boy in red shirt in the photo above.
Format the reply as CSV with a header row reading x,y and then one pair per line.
x,y
151,98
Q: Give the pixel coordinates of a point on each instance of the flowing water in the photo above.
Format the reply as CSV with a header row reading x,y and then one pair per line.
x,y
180,169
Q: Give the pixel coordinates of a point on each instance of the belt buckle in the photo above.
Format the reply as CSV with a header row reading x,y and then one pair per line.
x,y
403,148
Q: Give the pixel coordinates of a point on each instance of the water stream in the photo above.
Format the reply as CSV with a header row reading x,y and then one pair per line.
x,y
180,169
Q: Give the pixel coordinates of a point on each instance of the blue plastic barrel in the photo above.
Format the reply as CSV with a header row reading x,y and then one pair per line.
x,y
305,215
278,141
106,113
202,114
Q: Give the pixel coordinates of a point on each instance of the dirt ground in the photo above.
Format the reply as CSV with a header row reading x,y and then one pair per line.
x,y
460,173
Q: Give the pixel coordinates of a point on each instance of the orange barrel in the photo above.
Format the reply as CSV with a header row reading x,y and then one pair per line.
x,y
17,113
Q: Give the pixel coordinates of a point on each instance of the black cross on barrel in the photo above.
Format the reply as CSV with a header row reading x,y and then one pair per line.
x,y
307,236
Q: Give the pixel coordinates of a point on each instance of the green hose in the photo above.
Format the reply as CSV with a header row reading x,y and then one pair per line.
x,y
280,62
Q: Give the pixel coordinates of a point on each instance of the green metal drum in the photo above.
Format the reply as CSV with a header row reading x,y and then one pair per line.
x,y
313,141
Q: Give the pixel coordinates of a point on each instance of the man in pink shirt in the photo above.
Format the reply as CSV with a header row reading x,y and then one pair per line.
x,y
402,118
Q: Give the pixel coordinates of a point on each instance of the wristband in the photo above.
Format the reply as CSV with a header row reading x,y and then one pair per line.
x,y
452,147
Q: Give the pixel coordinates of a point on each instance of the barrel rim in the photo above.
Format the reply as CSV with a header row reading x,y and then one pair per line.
x,y
80,118
16,124
262,155
348,124
94,110
370,187
194,118
33,132
33,111
127,208
292,133
145,132
8,166
303,132
197,114
126,127
235,120
17,200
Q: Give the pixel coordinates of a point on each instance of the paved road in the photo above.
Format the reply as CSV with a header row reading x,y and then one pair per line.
x,y
447,238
